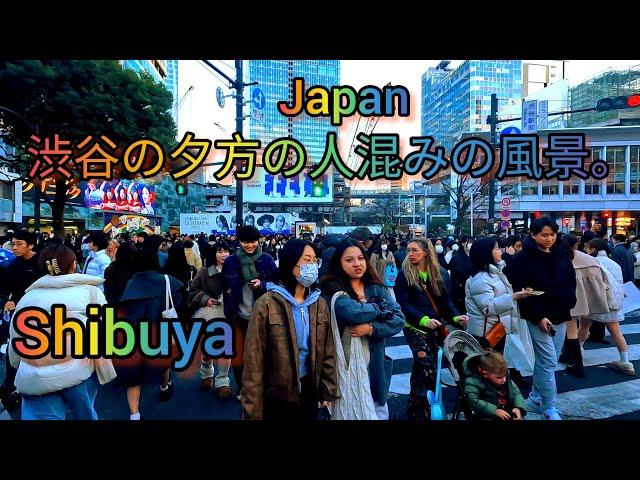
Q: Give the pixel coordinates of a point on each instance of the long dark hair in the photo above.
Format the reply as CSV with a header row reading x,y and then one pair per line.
x,y
290,255
336,278
481,254
177,265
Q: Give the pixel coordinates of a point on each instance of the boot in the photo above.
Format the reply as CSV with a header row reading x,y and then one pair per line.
x,y
573,358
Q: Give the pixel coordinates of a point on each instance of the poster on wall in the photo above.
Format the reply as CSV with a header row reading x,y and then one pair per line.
x,y
194,223
265,188
270,223
116,224
119,195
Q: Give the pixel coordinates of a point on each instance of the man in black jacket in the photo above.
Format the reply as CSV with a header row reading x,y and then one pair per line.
x,y
544,264
18,276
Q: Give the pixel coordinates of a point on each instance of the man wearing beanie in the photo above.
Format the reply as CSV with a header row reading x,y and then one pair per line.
x,y
245,275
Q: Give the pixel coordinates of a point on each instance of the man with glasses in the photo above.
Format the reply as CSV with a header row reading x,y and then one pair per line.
x,y
19,275
245,274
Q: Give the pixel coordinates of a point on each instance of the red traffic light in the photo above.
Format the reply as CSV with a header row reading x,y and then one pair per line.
x,y
616,103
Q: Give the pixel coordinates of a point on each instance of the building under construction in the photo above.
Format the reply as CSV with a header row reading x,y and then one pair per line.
x,y
610,83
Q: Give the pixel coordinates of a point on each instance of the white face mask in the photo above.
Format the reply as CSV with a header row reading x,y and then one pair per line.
x,y
469,246
383,248
439,249
455,247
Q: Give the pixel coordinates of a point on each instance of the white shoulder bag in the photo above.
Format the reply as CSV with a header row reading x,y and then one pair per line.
x,y
518,346
354,391
104,368
170,309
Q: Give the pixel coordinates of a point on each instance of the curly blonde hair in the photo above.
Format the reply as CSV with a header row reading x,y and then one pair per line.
x,y
411,272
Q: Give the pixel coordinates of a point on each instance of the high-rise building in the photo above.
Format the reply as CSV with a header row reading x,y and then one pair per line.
x,y
457,101
275,84
165,71
274,79
610,83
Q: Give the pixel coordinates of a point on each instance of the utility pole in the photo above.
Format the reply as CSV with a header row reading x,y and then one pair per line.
x,y
238,85
493,121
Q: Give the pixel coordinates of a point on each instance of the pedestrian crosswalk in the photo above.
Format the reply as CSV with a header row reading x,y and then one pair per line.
x,y
603,394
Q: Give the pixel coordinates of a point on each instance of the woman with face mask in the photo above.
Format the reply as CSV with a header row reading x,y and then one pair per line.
x,y
384,263
289,356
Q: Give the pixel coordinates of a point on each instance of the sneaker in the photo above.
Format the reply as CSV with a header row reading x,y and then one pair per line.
x,y
624,367
533,405
224,393
552,414
167,392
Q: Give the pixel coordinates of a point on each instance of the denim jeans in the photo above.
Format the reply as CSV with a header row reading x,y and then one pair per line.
x,y
222,377
53,406
547,350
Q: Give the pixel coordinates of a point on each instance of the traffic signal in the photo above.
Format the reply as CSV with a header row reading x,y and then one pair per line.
x,y
182,188
317,189
616,103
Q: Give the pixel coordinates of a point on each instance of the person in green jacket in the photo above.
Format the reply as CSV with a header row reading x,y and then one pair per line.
x,y
489,388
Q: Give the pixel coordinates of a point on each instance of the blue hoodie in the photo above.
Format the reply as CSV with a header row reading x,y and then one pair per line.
x,y
300,321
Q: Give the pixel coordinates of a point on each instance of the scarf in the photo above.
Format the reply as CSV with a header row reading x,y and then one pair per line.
x,y
249,271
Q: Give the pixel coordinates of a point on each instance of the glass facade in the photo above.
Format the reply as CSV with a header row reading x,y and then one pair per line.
x,y
612,83
457,101
274,79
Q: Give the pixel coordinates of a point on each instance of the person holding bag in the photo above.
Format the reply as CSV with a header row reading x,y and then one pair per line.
x,y
205,300
490,300
289,364
152,296
367,311
544,264
423,292
52,386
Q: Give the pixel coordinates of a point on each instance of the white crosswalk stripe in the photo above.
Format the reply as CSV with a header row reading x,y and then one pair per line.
x,y
617,394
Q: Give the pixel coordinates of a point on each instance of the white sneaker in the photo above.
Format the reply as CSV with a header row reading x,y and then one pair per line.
x,y
624,367
552,414
533,405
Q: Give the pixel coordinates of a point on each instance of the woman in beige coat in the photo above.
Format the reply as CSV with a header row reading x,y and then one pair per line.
x,y
592,294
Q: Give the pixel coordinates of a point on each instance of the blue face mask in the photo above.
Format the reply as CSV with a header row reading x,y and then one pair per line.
x,y
308,274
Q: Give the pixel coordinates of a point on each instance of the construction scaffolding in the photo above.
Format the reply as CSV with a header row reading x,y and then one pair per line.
x,y
610,83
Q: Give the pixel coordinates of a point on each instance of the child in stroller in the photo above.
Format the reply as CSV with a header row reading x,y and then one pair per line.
x,y
489,389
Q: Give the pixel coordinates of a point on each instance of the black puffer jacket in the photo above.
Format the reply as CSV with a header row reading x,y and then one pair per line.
x,y
553,273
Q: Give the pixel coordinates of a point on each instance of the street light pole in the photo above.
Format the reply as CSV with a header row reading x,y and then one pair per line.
x,y
238,85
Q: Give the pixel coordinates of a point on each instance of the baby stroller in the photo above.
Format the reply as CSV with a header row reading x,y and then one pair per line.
x,y
457,346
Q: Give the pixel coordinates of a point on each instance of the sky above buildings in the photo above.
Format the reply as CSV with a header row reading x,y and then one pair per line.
x,y
199,111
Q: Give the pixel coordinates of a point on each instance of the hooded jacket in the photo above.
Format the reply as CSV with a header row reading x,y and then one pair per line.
x,y
553,273
272,354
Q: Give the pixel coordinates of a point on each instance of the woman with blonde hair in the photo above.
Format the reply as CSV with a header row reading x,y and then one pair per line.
x,y
423,291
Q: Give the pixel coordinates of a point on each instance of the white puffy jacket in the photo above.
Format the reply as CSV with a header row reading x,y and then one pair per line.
x,y
491,292
96,263
74,291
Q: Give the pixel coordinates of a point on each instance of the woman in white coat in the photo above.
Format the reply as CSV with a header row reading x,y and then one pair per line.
x,y
613,276
51,386
488,293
